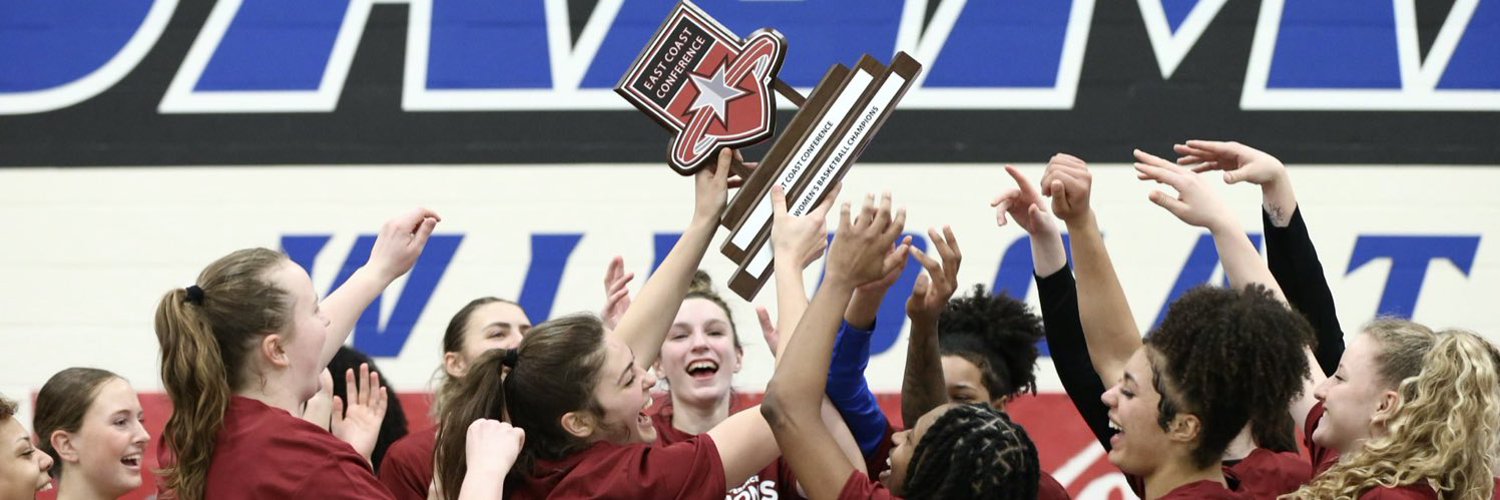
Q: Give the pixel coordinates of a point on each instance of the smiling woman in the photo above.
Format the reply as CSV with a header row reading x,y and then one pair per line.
x,y
699,361
581,392
23,471
91,425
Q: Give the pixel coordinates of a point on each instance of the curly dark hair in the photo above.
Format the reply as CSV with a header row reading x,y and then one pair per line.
x,y
974,451
1229,357
998,334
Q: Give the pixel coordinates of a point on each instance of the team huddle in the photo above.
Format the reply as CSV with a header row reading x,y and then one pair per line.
x,y
1248,391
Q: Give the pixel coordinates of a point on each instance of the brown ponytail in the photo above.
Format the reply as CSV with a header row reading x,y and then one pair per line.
x,y
483,393
205,336
554,372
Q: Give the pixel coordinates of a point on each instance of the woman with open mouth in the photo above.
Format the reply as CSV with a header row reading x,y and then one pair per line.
x,y
1176,409
582,394
703,351
245,346
1393,371
23,468
91,423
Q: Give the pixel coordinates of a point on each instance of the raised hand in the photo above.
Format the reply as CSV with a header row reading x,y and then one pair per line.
x,y
935,287
359,423
492,446
878,287
861,251
396,249
711,188
616,292
400,242
1196,203
490,450
319,408
864,306
1242,163
735,179
1025,205
1239,162
803,238
1069,183
768,329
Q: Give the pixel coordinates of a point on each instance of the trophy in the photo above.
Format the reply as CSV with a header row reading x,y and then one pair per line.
x,y
712,90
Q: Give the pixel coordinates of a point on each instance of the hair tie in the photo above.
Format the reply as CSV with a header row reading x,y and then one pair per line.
x,y
195,294
511,357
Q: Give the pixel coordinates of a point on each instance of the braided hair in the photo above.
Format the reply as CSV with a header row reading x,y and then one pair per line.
x,y
974,451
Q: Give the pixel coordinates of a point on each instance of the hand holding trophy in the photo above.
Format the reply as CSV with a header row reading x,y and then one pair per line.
x,y
712,90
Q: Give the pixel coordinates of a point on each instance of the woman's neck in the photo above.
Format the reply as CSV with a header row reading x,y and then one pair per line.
x,y
269,394
1176,474
76,487
698,417
1241,447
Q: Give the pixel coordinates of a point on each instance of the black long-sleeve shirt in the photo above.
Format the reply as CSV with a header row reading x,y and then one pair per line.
x,y
1070,353
1294,263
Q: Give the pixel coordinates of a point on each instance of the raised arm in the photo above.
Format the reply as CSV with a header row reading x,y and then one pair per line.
x,y
396,249
1198,205
491,447
1103,310
1058,294
796,241
1289,248
616,292
848,389
859,255
644,326
1294,262
923,387
1025,205
1241,163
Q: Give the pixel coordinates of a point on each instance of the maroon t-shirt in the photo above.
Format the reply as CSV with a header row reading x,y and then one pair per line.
x,y
1322,458
1197,490
1261,474
687,470
406,469
859,486
875,463
265,452
1050,489
1268,474
775,479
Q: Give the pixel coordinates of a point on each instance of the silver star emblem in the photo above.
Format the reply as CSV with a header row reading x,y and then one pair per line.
x,y
714,93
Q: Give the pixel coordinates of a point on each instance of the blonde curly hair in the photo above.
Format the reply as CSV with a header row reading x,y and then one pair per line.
x,y
1442,435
